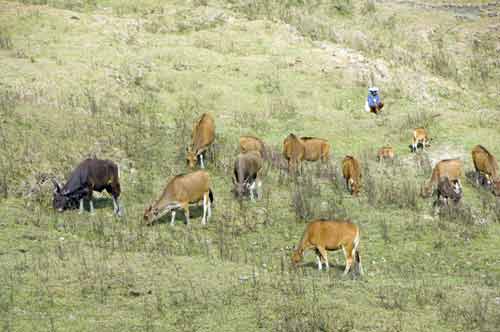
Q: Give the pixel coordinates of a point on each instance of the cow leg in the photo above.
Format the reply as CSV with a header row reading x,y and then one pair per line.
x,y
259,189
318,260
251,188
92,211
201,160
348,258
323,253
81,206
209,207
172,220
186,212
116,206
205,199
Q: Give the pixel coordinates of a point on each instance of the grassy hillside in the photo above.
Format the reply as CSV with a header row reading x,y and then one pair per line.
x,y
124,80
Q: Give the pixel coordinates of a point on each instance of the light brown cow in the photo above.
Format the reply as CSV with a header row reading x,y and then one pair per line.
x,y
245,175
293,152
420,136
179,193
316,149
451,168
252,143
486,164
351,170
329,235
385,153
202,137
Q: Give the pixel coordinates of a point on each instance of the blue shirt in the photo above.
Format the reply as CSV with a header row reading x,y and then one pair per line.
x,y
373,100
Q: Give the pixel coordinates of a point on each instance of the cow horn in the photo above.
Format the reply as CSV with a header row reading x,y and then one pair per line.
x,y
56,185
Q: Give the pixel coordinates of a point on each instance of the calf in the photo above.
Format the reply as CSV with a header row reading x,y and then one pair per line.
x,y
202,137
385,153
486,164
293,152
179,192
252,143
246,170
351,170
447,189
420,137
90,175
325,235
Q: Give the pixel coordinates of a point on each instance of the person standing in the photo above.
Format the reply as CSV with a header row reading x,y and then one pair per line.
x,y
373,103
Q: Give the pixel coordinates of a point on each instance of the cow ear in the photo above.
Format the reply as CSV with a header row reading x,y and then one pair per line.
x,y
57,186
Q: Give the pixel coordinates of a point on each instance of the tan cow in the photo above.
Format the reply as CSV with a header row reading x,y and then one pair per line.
x,y
450,168
385,153
316,149
420,136
245,174
202,137
293,152
252,143
351,170
329,235
179,193
486,164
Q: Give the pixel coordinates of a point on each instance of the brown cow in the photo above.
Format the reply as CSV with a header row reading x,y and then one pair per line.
x,y
246,172
316,149
179,193
451,168
385,153
421,137
486,164
351,170
252,143
294,152
202,137
330,235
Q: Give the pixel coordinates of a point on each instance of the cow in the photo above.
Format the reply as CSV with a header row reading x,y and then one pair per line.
x,y
351,170
385,153
180,191
448,189
293,152
89,176
252,143
451,168
486,165
316,149
329,235
202,137
245,175
420,137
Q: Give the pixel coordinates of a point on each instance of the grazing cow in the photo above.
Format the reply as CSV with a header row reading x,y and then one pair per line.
x,y
245,176
451,168
180,191
447,189
294,152
385,153
330,235
89,176
252,143
202,137
316,149
486,164
420,137
351,170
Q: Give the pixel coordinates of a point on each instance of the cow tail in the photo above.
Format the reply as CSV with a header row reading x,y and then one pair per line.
x,y
356,252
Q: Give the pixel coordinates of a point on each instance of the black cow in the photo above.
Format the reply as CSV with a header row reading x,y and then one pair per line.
x,y
245,176
448,190
91,175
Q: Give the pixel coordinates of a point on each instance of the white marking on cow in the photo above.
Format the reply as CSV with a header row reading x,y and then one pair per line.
x,y
172,221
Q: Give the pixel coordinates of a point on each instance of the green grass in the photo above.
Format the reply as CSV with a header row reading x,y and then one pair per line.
x,y
125,80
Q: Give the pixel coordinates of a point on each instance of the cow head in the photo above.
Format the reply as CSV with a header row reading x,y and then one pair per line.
x,y
191,158
150,214
60,200
297,257
355,186
495,187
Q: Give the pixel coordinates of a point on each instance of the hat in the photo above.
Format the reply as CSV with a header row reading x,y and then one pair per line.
x,y
373,89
